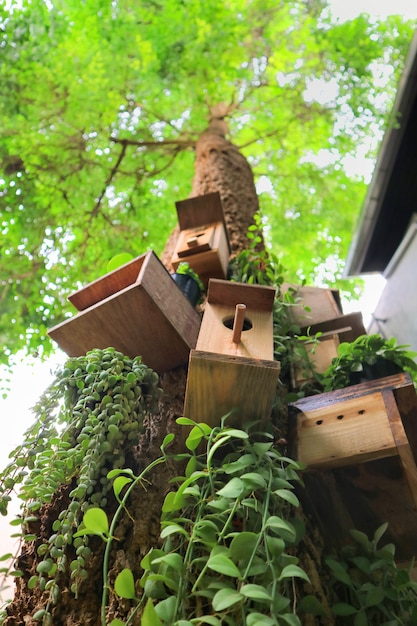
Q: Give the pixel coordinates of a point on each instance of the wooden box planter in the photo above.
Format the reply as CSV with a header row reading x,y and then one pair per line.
x,y
360,448
137,309
228,373
203,240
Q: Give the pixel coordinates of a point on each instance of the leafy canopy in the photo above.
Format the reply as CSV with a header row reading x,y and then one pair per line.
x,y
102,103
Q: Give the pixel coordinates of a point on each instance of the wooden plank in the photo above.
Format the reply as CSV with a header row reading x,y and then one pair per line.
x,y
401,441
349,327
107,285
345,433
228,293
218,384
396,381
200,210
151,318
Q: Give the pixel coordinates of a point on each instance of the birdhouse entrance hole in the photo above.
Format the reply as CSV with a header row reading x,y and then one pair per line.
x,y
228,322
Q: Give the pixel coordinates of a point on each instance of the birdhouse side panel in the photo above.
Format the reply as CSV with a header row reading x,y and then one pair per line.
x,y
218,384
353,431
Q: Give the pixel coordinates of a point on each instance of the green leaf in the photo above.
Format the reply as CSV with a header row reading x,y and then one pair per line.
x,y
225,598
207,619
233,489
374,596
223,565
258,619
278,524
287,495
150,616
360,619
254,480
380,532
167,440
291,619
96,522
116,622
339,572
119,483
344,609
243,545
255,592
166,609
124,585
172,529
293,571
311,604
118,260
194,438
173,559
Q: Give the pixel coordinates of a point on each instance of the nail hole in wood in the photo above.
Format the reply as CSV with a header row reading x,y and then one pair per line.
x,y
361,412
319,422
340,417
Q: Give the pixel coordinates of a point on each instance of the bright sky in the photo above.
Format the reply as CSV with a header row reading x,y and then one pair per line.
x,y
29,382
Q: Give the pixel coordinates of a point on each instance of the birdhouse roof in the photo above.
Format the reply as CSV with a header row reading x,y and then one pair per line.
x,y
224,292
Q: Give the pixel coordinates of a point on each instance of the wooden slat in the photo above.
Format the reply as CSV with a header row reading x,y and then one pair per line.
x,y
108,284
401,441
218,384
396,381
349,327
231,294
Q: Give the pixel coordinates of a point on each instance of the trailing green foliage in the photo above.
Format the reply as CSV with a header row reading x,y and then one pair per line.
x,y
366,357
368,586
228,528
86,422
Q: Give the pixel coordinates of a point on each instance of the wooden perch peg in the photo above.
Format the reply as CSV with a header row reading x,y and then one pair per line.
x,y
238,322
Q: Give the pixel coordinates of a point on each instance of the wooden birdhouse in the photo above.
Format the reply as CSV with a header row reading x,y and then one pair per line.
x,y
360,448
203,240
232,367
137,309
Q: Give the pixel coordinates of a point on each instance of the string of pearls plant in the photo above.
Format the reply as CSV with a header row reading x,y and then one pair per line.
x,y
85,422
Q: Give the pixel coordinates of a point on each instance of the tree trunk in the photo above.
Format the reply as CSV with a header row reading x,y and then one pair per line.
x,y
219,166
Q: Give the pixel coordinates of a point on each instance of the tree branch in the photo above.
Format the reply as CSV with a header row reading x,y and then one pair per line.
x,y
184,143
